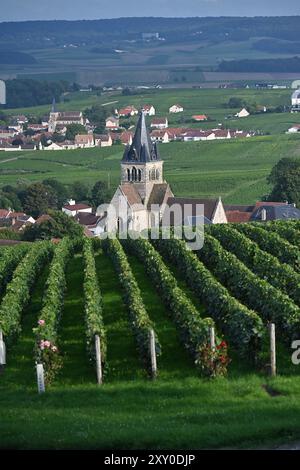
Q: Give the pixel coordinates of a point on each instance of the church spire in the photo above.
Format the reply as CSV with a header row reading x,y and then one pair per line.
x,y
53,108
142,149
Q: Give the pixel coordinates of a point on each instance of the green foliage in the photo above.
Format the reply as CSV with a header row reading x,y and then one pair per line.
x,y
73,130
272,243
285,230
140,321
194,329
97,115
242,327
290,64
27,92
263,264
59,225
18,290
254,292
100,193
53,301
61,190
285,177
38,198
93,303
9,234
9,260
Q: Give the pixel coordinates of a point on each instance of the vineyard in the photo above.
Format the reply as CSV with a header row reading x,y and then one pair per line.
x,y
123,329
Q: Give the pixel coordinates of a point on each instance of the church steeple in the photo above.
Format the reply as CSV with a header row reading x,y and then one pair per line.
x,y
141,165
53,108
142,149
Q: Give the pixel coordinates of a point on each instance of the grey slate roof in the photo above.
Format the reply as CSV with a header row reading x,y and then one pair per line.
x,y
142,149
283,212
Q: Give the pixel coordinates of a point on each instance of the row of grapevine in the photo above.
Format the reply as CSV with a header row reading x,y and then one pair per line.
x,y
92,303
273,244
193,328
140,321
53,301
243,327
256,293
9,260
265,265
19,289
284,229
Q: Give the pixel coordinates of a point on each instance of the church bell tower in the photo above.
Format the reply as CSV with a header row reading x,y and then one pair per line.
x,y
141,165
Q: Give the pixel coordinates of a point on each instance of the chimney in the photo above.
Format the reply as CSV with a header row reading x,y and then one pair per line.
x,y
263,215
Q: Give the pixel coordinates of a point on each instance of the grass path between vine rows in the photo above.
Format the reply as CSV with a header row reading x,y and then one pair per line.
x,y
122,355
174,360
20,369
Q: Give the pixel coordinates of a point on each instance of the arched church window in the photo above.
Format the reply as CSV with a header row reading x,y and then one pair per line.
x,y
150,175
134,174
153,174
157,174
128,174
140,175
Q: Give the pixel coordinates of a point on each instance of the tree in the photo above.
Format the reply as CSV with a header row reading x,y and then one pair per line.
x,y
74,129
59,225
38,198
285,177
99,193
235,102
61,191
80,191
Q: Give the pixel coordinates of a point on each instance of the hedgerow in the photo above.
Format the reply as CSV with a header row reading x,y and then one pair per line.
x,y
243,327
19,289
273,244
46,332
193,328
266,266
256,293
92,303
139,319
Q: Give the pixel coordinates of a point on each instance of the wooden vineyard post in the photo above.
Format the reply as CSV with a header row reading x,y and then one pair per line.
x,y
98,360
2,351
212,338
153,354
272,349
40,378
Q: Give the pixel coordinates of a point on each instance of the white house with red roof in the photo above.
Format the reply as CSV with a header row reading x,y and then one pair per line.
x,y
127,111
112,123
176,108
160,123
148,109
73,209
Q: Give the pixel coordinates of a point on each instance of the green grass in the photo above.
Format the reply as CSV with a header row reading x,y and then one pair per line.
x,y
235,170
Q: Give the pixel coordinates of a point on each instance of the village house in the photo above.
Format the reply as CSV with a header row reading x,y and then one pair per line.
x,y
112,123
243,113
160,136
199,117
84,141
148,109
295,101
160,123
261,212
127,112
295,128
176,108
37,127
72,209
103,140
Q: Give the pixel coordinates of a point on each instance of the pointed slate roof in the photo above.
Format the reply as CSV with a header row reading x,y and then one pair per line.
x,y
142,149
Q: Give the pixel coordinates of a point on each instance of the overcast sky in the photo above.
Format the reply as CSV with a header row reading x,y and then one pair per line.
x,y
19,10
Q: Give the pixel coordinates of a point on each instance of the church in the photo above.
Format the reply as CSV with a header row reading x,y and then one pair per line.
x,y
147,196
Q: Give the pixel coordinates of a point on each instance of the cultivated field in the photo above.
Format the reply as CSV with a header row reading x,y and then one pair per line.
x,y
119,291
235,169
